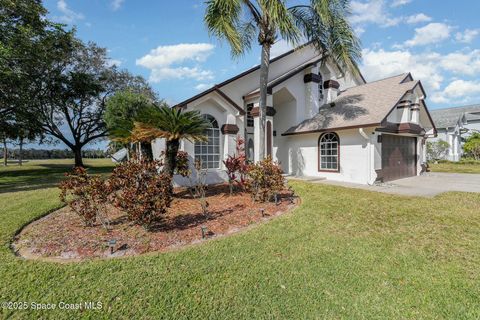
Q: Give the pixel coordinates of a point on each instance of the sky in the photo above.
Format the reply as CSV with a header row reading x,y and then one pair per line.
x,y
168,44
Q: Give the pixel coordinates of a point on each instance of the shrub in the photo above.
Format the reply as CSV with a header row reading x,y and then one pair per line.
x,y
85,195
472,146
198,185
183,167
236,165
141,190
265,179
437,150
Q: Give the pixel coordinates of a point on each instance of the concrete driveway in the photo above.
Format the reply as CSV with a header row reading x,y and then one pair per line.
x,y
428,185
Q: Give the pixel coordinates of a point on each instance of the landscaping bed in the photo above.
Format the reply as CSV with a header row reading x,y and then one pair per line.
x,y
62,235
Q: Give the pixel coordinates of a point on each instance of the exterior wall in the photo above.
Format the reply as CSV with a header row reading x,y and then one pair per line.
x,y
224,114
356,157
452,136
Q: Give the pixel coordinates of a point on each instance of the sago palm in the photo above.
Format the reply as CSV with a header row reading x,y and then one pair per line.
x,y
173,125
323,22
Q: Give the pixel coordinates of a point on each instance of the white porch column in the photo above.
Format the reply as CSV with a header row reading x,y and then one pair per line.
x,y
256,131
229,131
450,149
312,81
256,127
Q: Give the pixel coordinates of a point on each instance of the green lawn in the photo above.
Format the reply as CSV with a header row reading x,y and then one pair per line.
x,y
456,167
37,174
344,253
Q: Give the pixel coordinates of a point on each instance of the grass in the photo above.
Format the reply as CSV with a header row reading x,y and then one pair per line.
x,y
37,174
456,167
344,253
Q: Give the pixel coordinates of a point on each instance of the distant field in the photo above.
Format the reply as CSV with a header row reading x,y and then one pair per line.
x,y
35,174
456,167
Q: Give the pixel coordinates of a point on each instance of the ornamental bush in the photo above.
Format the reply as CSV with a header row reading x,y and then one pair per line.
x,y
264,179
236,165
141,190
85,195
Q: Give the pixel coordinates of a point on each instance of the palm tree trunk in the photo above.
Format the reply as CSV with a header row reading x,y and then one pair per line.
x,y
172,151
264,66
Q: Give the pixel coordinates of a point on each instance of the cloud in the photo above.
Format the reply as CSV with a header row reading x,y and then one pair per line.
x,y
166,55
69,16
462,63
359,30
378,64
432,68
116,4
467,36
280,47
460,91
399,3
431,33
179,73
114,62
164,62
372,12
203,86
417,18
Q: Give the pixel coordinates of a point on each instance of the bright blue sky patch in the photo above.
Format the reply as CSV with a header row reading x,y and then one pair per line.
x,y
438,41
167,43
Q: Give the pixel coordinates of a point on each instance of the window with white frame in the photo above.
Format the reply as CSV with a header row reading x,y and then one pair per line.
x,y
208,152
329,146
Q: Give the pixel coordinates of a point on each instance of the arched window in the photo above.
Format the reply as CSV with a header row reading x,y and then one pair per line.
x,y
208,152
329,152
320,88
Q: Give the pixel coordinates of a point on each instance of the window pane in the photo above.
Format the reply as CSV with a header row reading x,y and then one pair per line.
x,y
209,151
328,146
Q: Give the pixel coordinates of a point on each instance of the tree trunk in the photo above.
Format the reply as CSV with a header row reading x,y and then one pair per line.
x,y
264,66
172,151
20,152
5,153
77,151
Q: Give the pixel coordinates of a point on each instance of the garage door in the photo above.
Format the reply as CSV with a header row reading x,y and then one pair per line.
x,y
399,159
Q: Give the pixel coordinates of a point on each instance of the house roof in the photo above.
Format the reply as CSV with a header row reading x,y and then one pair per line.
x,y
449,117
364,105
238,76
275,82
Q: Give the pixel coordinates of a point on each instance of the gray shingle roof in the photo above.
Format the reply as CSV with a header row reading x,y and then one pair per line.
x,y
449,117
366,104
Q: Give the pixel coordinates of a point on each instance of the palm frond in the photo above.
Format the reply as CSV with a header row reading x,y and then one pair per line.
x,y
174,124
223,20
281,19
324,22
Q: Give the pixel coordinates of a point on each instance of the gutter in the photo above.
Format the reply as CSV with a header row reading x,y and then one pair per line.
x,y
369,157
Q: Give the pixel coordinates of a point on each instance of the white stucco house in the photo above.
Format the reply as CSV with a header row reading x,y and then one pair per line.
x,y
453,124
321,121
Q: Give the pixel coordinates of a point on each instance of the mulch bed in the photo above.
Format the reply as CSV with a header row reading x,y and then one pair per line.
x,y
62,236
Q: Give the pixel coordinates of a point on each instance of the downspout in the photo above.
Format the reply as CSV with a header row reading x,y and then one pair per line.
x,y
369,156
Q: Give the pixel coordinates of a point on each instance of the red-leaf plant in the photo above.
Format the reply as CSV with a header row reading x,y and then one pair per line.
x,y
236,165
86,196
142,190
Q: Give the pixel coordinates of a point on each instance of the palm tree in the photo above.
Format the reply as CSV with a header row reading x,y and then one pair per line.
x,y
323,22
174,125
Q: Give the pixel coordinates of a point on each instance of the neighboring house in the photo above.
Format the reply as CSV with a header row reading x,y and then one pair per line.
x,y
453,124
321,122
